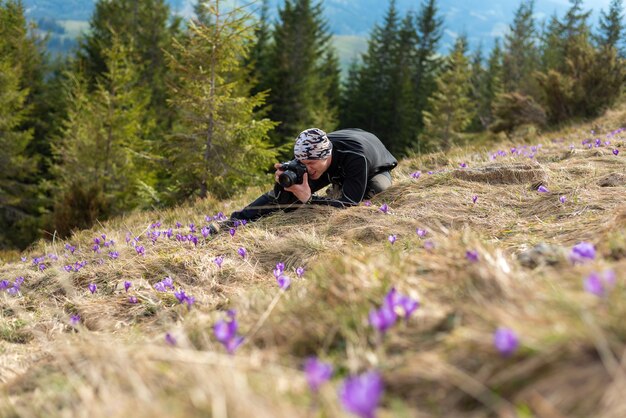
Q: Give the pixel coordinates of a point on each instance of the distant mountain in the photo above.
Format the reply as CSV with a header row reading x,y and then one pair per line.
x,y
352,20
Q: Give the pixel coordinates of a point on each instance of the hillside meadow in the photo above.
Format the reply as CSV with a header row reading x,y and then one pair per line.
x,y
120,320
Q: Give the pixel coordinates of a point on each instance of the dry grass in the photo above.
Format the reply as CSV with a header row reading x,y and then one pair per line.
x,y
440,363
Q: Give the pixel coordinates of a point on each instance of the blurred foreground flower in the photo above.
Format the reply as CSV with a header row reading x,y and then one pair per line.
x,y
472,255
394,305
582,252
74,320
361,394
226,333
600,284
505,340
421,232
184,298
317,372
615,151
169,338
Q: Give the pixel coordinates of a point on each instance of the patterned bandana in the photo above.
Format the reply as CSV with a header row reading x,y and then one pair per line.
x,y
312,144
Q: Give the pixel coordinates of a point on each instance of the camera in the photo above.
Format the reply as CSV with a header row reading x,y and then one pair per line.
x,y
294,173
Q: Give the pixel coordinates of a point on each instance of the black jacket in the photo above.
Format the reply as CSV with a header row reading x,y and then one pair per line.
x,y
357,156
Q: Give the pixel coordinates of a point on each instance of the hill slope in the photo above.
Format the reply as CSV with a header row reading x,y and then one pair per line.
x,y
159,357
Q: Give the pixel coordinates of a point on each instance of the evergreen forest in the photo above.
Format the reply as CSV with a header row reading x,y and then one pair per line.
x,y
151,111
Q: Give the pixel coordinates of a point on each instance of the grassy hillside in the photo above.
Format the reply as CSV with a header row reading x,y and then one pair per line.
x,y
495,255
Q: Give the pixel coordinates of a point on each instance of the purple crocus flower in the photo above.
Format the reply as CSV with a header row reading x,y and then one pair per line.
x,y
300,272
472,255
219,260
361,394
178,225
283,282
132,299
24,259
562,199
392,239
169,338
582,252
429,245
96,248
42,267
542,189
192,228
242,252
279,269
474,198
317,372
205,231
594,285
416,174
421,232
140,250
92,288
463,165
226,333
4,284
114,255
505,340
615,151
384,318
70,248
127,285
74,320
384,208
232,231
13,291
367,203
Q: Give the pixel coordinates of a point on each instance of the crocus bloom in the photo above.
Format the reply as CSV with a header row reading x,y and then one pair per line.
x,y
562,199
505,340
368,203
226,333
615,151
474,199
242,252
361,394
140,250
472,255
92,288
384,208
4,284
429,245
421,232
299,272
169,338
205,231
542,189
132,299
582,252
74,320
384,318
24,259
219,260
231,231
192,228
279,269
70,248
178,225
392,238
599,283
463,165
416,174
317,372
114,254
127,285
96,248
283,282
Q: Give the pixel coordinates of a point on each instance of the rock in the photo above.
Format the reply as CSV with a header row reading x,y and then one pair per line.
x,y
541,253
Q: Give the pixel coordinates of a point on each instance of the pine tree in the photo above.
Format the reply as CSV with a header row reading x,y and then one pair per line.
x,y
493,83
611,28
298,93
520,58
220,144
20,88
102,152
430,31
146,28
258,57
477,90
450,109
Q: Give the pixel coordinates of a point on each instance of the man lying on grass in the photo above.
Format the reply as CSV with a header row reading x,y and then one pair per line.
x,y
354,162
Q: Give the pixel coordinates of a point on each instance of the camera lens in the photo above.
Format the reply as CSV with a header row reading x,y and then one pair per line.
x,y
287,179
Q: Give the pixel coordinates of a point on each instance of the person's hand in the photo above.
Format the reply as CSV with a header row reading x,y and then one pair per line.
x,y
278,171
301,191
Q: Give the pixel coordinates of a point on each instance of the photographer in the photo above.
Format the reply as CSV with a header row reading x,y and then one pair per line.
x,y
353,161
